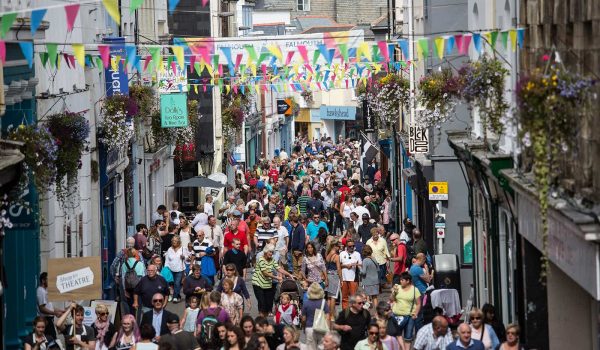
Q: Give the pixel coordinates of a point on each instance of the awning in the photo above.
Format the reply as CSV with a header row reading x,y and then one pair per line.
x,y
199,181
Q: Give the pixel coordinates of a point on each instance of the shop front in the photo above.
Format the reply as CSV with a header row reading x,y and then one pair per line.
x,y
334,119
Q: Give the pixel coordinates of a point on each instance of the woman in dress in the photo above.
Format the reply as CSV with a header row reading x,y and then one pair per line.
x,y
175,261
147,333
239,285
231,302
313,266
103,328
185,231
37,340
235,339
482,331
128,334
334,274
369,273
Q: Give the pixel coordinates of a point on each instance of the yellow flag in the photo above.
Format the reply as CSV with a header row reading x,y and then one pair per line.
x,y
285,87
210,70
178,51
112,7
196,88
257,88
79,51
513,39
114,63
439,46
253,68
419,52
227,89
363,50
275,51
376,67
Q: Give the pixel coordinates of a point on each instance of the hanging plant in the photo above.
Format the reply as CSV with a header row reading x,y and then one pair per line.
x,y
70,131
308,97
549,106
40,152
235,111
387,96
482,86
438,92
116,129
144,99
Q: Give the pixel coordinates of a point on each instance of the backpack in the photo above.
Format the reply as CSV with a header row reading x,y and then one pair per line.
x,y
131,277
207,328
410,254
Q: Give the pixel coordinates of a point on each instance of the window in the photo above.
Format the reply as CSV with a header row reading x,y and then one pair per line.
x,y
466,243
303,5
247,16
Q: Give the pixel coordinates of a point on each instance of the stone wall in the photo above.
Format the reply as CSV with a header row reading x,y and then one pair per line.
x,y
342,11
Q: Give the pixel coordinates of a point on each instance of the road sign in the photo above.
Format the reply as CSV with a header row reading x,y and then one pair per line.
x,y
173,111
284,106
441,233
440,221
438,191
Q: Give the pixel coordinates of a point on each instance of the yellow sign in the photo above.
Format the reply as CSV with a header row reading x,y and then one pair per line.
x,y
438,191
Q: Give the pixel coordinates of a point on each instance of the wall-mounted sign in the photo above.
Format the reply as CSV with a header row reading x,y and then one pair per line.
x,y
368,118
173,111
338,113
284,106
170,80
117,81
438,191
74,279
418,139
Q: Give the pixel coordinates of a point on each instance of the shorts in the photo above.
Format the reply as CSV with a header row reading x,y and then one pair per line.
x,y
407,331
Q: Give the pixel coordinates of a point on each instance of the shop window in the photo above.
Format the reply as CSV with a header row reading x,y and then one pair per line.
x,y
466,243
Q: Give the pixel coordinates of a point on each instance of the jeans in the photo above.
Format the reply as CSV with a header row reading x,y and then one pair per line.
x,y
382,273
177,276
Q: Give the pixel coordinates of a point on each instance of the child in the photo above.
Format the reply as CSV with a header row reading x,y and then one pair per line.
x,y
287,313
391,342
188,321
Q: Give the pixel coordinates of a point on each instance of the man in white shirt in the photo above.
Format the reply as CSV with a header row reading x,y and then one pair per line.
x,y
434,335
282,234
45,307
208,206
200,220
175,210
350,261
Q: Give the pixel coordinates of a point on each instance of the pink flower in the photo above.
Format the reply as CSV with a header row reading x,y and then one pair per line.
x,y
545,58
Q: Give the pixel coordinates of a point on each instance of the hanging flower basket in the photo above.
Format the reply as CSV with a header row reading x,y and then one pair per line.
x,y
235,111
438,92
387,96
116,129
40,152
549,107
482,86
70,131
308,97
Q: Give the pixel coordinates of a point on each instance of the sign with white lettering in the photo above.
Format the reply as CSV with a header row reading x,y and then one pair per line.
x,y
368,118
418,139
173,111
74,279
438,191
338,113
117,82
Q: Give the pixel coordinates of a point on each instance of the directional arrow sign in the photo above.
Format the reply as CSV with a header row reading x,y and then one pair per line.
x,y
284,106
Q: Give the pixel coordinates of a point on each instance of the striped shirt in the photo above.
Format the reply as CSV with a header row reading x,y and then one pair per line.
x,y
199,248
302,203
265,234
259,279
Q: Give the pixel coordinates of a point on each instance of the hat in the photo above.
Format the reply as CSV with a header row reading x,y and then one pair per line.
x,y
315,292
236,213
365,216
172,318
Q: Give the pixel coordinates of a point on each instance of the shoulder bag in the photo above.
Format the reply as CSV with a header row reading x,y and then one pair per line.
x,y
320,320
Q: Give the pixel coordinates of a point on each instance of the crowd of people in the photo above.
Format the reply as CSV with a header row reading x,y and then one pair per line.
x,y
314,235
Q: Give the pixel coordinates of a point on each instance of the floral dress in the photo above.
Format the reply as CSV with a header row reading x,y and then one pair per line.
x,y
314,267
232,304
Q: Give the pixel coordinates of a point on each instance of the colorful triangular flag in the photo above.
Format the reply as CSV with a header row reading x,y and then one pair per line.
x,y
7,21
27,49
36,18
71,12
112,7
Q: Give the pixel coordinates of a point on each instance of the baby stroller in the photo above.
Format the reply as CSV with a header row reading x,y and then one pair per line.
x,y
294,290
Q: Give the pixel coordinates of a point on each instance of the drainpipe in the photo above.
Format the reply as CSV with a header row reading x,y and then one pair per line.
x,y
2,103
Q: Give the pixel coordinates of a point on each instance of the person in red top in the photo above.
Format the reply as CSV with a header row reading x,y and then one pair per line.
x,y
399,256
344,189
273,173
232,232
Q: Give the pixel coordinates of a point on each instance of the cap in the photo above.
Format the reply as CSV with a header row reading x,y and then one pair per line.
x,y
236,213
365,216
172,318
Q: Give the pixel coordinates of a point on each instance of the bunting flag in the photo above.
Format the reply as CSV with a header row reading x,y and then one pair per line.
x,y
382,45
71,12
104,55
52,54
172,5
44,58
439,46
477,42
458,38
423,48
36,19
178,52
112,7
520,37
303,53
7,21
2,52
27,49
134,5
513,39
275,51
404,47
79,51
504,39
204,2
449,44
494,38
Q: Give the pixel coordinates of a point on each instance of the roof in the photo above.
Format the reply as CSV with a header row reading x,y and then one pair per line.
x,y
271,28
328,29
304,23
380,22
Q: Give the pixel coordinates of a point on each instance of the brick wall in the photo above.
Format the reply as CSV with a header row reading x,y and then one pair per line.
x,y
573,27
343,11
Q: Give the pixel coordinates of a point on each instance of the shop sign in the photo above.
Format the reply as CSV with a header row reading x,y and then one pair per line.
x,y
170,80
117,82
438,191
284,106
338,113
368,118
173,111
418,139
74,279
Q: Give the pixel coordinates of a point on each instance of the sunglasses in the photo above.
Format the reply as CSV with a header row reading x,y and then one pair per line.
x,y
373,333
158,300
476,318
101,313
230,270
360,302
512,332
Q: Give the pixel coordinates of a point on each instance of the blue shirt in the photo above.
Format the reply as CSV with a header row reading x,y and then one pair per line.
x,y
157,321
473,345
312,230
416,272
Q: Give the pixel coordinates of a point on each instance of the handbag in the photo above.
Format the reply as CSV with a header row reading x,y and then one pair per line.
x,y
167,274
402,321
319,321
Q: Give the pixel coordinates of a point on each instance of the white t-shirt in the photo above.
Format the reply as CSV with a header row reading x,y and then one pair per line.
x,y
42,299
345,259
208,209
177,213
200,220
282,233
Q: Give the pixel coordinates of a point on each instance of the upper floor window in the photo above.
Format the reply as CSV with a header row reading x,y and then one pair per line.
x,y
303,5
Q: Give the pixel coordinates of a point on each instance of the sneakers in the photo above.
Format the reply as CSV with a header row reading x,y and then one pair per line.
x,y
170,298
176,300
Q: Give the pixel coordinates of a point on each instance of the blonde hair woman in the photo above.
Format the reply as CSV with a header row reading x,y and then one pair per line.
x,y
482,331
175,261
